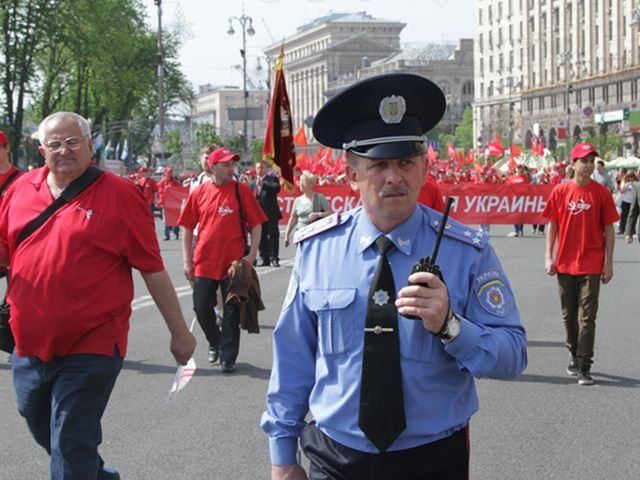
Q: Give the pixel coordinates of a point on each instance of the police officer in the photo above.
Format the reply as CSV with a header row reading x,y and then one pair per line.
x,y
383,359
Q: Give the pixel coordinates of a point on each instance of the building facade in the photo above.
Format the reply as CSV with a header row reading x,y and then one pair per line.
x,y
449,66
327,49
223,108
558,69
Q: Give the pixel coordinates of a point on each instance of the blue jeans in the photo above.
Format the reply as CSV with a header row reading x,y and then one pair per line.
x,y
63,401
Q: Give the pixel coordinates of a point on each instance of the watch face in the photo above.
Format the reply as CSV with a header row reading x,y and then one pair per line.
x,y
453,327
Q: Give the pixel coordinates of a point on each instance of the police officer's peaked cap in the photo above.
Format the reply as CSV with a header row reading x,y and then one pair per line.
x,y
381,117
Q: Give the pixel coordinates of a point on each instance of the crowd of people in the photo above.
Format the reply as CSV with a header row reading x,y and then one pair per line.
x,y
381,351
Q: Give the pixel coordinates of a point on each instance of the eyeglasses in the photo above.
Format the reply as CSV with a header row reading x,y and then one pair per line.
x,y
72,143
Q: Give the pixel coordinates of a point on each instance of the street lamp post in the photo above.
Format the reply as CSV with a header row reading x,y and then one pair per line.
x,y
160,80
564,59
246,22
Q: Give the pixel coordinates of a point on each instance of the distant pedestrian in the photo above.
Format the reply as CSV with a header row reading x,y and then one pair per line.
x,y
149,187
168,180
267,187
581,215
601,176
307,208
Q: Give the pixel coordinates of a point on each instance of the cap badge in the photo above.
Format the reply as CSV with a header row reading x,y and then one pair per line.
x,y
392,109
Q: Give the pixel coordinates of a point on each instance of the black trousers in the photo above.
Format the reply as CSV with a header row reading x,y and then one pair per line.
x,y
446,459
270,241
624,213
204,301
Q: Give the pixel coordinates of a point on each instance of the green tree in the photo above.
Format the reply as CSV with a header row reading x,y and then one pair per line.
x,y
173,145
24,25
256,150
606,145
204,134
464,132
234,144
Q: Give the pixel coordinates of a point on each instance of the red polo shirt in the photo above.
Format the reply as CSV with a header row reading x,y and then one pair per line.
x,y
214,209
71,285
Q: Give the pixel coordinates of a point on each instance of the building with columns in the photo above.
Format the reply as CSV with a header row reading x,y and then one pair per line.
x,y
328,49
558,69
450,66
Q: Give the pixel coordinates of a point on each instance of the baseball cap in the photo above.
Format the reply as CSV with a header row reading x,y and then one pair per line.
x,y
3,138
221,155
143,170
168,170
581,150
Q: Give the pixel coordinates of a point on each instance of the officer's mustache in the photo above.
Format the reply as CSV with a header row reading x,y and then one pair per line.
x,y
393,190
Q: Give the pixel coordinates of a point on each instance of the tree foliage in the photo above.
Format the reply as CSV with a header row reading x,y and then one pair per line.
x,y
464,132
98,59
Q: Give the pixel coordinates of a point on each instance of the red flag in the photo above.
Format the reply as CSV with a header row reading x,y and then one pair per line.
x,y
515,151
534,145
541,147
432,155
469,159
451,151
300,138
278,141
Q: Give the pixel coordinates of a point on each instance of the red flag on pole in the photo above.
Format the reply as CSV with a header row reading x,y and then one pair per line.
x,y
432,155
451,151
300,138
278,141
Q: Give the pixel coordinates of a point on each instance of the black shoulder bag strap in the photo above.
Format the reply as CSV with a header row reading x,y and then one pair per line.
x,y
243,224
6,184
74,189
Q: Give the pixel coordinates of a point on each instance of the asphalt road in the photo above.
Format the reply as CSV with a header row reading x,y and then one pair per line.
x,y
541,426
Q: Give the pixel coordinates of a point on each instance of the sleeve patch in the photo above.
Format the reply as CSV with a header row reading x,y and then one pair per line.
x,y
492,293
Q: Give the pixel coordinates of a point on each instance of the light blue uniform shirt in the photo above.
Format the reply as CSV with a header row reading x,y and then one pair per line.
x,y
319,338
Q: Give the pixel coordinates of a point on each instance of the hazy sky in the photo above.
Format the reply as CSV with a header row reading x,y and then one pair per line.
x,y
208,54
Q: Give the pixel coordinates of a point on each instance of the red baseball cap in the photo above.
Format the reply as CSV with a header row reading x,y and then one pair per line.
x,y
168,170
143,170
581,150
221,155
3,138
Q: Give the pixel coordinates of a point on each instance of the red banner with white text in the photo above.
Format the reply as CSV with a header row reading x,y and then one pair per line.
x,y
473,204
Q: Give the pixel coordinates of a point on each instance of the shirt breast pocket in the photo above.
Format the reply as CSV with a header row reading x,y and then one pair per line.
x,y
335,310
419,342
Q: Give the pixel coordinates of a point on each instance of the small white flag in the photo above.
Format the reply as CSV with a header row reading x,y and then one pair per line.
x,y
184,373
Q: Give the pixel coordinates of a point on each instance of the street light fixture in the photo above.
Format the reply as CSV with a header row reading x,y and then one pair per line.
x,y
246,22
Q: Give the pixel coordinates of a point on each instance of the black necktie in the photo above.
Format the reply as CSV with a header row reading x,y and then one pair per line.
x,y
381,401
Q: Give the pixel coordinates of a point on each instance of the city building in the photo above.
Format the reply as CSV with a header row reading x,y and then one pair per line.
x,y
557,69
223,108
450,66
328,49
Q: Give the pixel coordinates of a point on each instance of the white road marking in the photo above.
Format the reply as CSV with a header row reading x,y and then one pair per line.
x,y
184,290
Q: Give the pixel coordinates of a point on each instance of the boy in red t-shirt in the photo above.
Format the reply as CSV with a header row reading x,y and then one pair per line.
x,y
581,214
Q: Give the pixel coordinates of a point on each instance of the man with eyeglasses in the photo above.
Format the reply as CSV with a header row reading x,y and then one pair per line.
x,y
71,340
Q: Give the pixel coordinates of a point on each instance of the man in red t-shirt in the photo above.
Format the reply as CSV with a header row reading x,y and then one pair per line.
x,y
149,187
168,180
581,214
222,228
70,295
